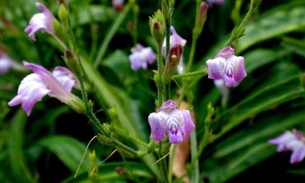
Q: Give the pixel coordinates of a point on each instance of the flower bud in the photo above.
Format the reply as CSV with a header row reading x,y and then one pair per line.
x,y
72,62
93,169
63,12
157,26
203,13
172,62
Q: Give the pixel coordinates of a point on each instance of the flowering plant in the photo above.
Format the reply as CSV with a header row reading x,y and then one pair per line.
x,y
198,91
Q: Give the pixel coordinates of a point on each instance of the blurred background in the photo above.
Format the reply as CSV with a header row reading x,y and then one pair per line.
x,y
48,145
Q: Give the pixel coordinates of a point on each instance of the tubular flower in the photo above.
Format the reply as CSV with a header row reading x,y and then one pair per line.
x,y
291,141
227,66
175,39
178,124
141,57
6,63
40,22
40,83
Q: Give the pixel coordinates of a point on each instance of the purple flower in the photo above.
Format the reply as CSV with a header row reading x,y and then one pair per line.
x,y
117,5
40,22
291,141
211,2
66,78
227,66
31,90
6,63
178,124
40,83
175,39
141,57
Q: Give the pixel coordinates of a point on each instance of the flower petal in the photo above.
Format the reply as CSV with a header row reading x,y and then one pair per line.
x,y
214,68
65,77
40,22
141,57
286,137
188,125
31,90
240,71
297,155
157,126
55,87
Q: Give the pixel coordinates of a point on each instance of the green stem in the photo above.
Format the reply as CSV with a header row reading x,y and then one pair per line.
x,y
163,166
61,43
194,154
160,86
238,31
111,33
201,72
171,162
196,32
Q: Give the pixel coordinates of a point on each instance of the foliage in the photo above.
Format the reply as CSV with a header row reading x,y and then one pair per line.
x,y
48,145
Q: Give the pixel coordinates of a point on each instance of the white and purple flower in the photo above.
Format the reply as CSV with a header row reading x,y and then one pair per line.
x,y
291,141
174,39
177,124
141,57
42,82
6,63
40,22
227,66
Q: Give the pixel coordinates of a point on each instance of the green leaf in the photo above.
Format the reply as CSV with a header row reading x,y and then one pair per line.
x,y
68,150
264,99
278,21
19,169
294,45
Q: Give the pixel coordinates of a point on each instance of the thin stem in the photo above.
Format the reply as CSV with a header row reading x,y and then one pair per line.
x,y
196,32
111,33
160,87
62,44
238,31
171,162
201,72
194,154
163,167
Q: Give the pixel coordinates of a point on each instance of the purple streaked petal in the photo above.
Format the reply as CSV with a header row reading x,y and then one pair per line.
x,y
297,155
174,127
156,124
214,68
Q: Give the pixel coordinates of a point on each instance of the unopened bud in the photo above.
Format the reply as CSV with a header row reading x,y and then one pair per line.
x,y
157,26
72,62
172,62
63,13
203,12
